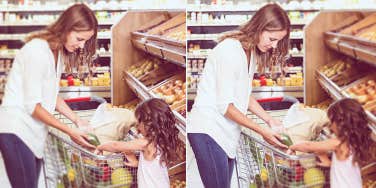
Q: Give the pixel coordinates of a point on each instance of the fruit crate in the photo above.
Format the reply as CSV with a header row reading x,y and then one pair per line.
x,y
259,164
66,164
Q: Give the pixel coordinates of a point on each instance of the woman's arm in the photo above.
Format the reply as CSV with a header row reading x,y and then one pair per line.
x,y
256,108
235,115
316,147
63,108
119,146
44,116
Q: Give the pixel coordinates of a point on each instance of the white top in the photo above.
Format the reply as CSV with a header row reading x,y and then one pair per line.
x,y
225,79
344,174
152,173
31,80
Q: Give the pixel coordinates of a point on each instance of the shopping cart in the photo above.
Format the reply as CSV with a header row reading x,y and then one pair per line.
x,y
67,164
259,164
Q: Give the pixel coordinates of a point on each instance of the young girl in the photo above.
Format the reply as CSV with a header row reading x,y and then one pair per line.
x,y
350,147
160,145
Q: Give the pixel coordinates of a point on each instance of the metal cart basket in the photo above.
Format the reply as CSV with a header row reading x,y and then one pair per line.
x,y
259,164
67,164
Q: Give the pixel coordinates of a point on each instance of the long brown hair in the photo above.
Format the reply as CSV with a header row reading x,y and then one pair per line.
x,y
78,17
159,123
352,124
270,17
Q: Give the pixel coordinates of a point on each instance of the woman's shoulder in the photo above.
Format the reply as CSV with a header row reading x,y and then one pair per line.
x,y
36,44
229,43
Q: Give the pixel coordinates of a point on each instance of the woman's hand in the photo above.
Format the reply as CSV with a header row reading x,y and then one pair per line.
x,y
276,125
272,137
80,138
84,125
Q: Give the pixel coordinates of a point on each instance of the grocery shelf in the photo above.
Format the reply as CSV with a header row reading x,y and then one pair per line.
x,y
277,89
213,37
354,47
237,9
261,95
197,56
297,55
104,37
45,23
7,56
53,8
169,53
267,89
70,95
16,37
104,54
85,88
137,87
233,24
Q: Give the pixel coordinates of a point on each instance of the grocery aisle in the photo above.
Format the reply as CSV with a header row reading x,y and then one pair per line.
x,y
147,62
331,57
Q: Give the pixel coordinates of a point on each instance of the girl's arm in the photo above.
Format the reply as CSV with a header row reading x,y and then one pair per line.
x,y
120,146
256,108
316,147
235,115
63,108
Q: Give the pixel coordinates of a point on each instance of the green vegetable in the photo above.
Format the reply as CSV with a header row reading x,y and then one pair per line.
x,y
286,140
93,139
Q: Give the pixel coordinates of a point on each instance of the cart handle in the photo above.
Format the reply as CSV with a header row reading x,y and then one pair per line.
x,y
85,99
279,99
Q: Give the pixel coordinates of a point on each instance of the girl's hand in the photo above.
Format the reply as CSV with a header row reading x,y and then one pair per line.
x,y
324,160
80,138
272,137
131,160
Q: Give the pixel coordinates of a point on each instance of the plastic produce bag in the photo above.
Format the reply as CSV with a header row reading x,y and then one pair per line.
x,y
304,124
111,124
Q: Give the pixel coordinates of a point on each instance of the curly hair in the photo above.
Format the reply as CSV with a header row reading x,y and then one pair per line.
x,y
352,124
159,123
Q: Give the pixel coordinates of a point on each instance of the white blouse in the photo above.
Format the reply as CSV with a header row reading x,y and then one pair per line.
x,y
226,79
32,80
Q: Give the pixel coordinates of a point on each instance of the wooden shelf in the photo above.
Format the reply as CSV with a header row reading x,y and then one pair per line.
x,y
330,88
336,93
354,47
137,87
164,51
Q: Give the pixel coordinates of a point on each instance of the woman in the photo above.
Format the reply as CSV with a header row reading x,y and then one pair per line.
x,y
224,93
31,93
